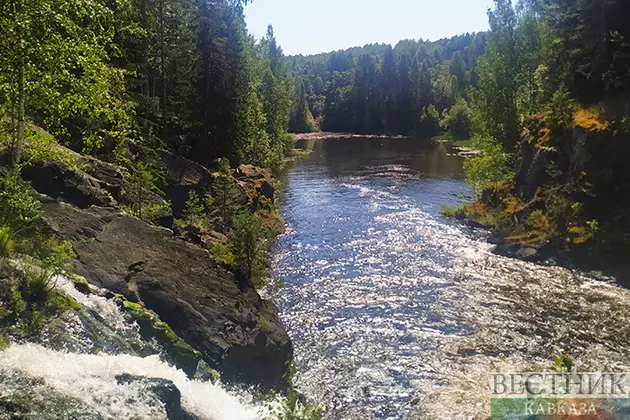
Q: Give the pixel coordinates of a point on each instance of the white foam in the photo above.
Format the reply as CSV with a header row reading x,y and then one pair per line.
x,y
92,379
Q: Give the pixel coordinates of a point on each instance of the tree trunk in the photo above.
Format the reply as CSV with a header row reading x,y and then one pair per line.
x,y
163,70
19,139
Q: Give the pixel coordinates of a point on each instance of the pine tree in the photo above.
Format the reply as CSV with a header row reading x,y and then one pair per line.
x,y
225,193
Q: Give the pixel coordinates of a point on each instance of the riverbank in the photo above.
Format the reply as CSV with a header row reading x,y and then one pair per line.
x,y
328,135
560,205
156,270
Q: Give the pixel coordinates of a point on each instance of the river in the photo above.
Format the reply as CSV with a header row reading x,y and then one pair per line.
x,y
397,312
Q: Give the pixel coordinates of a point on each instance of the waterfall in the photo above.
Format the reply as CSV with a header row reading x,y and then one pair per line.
x,y
91,379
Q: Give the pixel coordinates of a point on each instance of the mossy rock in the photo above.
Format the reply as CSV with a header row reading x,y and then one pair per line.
x,y
4,343
178,352
81,284
206,373
63,302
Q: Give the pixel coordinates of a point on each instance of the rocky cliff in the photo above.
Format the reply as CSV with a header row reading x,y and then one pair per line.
x,y
235,331
571,191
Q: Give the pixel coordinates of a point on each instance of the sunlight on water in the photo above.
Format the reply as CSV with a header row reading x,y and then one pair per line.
x,y
397,312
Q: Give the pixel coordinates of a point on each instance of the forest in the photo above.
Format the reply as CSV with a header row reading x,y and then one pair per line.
x,y
120,79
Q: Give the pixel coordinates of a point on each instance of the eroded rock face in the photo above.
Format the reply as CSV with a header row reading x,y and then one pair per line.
x,y
236,332
182,176
183,285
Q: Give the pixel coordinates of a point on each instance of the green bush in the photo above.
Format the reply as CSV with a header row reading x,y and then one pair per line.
x,y
492,167
561,108
36,283
17,205
36,302
458,120
59,257
223,254
6,242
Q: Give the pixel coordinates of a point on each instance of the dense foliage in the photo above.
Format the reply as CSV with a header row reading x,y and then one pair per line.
x,y
551,114
122,78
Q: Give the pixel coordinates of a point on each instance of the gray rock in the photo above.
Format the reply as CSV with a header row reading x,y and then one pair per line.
x,y
163,390
183,285
182,176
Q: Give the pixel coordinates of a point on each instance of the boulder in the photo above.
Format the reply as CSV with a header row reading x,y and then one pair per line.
x,y
252,172
257,184
183,285
182,176
60,181
163,390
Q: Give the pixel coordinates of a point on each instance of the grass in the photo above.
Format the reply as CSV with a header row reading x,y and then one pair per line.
x,y
464,143
456,142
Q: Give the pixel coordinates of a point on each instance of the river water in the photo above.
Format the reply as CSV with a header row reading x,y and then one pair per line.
x,y
397,312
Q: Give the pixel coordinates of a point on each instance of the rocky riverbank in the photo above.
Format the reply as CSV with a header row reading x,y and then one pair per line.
x,y
564,204
158,269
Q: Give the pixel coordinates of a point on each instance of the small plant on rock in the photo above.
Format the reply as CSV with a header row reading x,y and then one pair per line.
x,y
195,211
6,242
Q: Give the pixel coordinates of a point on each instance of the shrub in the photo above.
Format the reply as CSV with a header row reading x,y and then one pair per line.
x,y
36,302
6,242
493,167
458,120
18,208
60,256
36,283
223,254
561,108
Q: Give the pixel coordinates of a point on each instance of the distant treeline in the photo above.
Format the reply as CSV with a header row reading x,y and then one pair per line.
x,y
406,89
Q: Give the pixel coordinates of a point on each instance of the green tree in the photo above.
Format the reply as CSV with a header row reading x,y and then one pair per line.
x,y
458,120
302,120
428,122
142,186
195,210
498,78
225,192
55,58
249,246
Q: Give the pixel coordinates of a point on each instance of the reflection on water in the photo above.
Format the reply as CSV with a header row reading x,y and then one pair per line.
x,y
396,312
408,156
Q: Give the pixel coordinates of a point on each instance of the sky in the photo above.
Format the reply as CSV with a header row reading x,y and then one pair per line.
x,y
314,26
